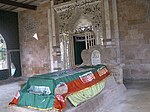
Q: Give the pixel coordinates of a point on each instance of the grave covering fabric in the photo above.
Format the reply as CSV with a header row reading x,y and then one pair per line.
x,y
49,91
86,94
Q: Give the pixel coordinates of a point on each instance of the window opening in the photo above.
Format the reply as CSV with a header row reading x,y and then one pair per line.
x,y
89,40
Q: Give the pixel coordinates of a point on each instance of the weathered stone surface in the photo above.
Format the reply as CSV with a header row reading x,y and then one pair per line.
x,y
134,30
35,57
108,55
137,71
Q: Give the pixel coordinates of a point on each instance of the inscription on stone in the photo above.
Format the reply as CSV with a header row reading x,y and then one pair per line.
x,y
95,57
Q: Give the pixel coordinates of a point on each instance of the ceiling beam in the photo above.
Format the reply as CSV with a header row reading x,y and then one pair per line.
x,y
18,4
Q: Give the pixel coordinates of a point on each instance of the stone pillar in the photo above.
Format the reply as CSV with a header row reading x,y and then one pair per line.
x,y
116,31
64,47
99,39
107,22
53,23
50,35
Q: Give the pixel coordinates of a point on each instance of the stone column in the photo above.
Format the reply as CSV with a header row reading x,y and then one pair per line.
x,y
98,37
50,35
53,23
116,31
107,22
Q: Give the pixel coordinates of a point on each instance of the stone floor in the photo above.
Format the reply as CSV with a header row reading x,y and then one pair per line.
x,y
8,89
136,98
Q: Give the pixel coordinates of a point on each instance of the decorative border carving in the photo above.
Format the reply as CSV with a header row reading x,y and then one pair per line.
x,y
68,14
73,5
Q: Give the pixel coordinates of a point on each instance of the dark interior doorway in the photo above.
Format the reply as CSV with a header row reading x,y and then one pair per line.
x,y
10,32
79,45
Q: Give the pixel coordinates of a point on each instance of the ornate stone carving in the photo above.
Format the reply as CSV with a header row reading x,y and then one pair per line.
x,y
70,17
30,27
70,13
73,5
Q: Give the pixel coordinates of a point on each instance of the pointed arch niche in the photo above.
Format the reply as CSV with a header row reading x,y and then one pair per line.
x,y
83,37
77,21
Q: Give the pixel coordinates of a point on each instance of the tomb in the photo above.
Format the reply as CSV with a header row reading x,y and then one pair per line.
x,y
78,25
109,89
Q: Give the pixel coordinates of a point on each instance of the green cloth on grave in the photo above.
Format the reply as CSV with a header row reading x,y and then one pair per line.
x,y
42,100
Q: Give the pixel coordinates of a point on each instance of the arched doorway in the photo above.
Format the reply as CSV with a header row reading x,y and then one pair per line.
x,y
3,54
75,21
9,60
4,63
83,38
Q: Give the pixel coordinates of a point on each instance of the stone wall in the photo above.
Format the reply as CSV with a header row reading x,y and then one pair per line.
x,y
35,57
134,31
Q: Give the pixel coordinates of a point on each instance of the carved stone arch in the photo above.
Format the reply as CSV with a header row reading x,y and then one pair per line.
x,y
81,20
68,16
72,21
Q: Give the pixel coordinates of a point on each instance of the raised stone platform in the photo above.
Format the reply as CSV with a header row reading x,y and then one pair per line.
x,y
112,91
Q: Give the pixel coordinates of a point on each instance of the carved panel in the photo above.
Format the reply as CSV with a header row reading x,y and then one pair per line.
x,y
30,27
70,16
70,13
95,57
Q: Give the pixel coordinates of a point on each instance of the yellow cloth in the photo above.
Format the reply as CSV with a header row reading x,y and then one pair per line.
x,y
88,93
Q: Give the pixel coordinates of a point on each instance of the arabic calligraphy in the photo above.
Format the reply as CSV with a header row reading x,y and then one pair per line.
x,y
74,5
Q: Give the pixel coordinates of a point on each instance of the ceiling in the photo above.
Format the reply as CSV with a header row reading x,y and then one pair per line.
x,y
19,5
